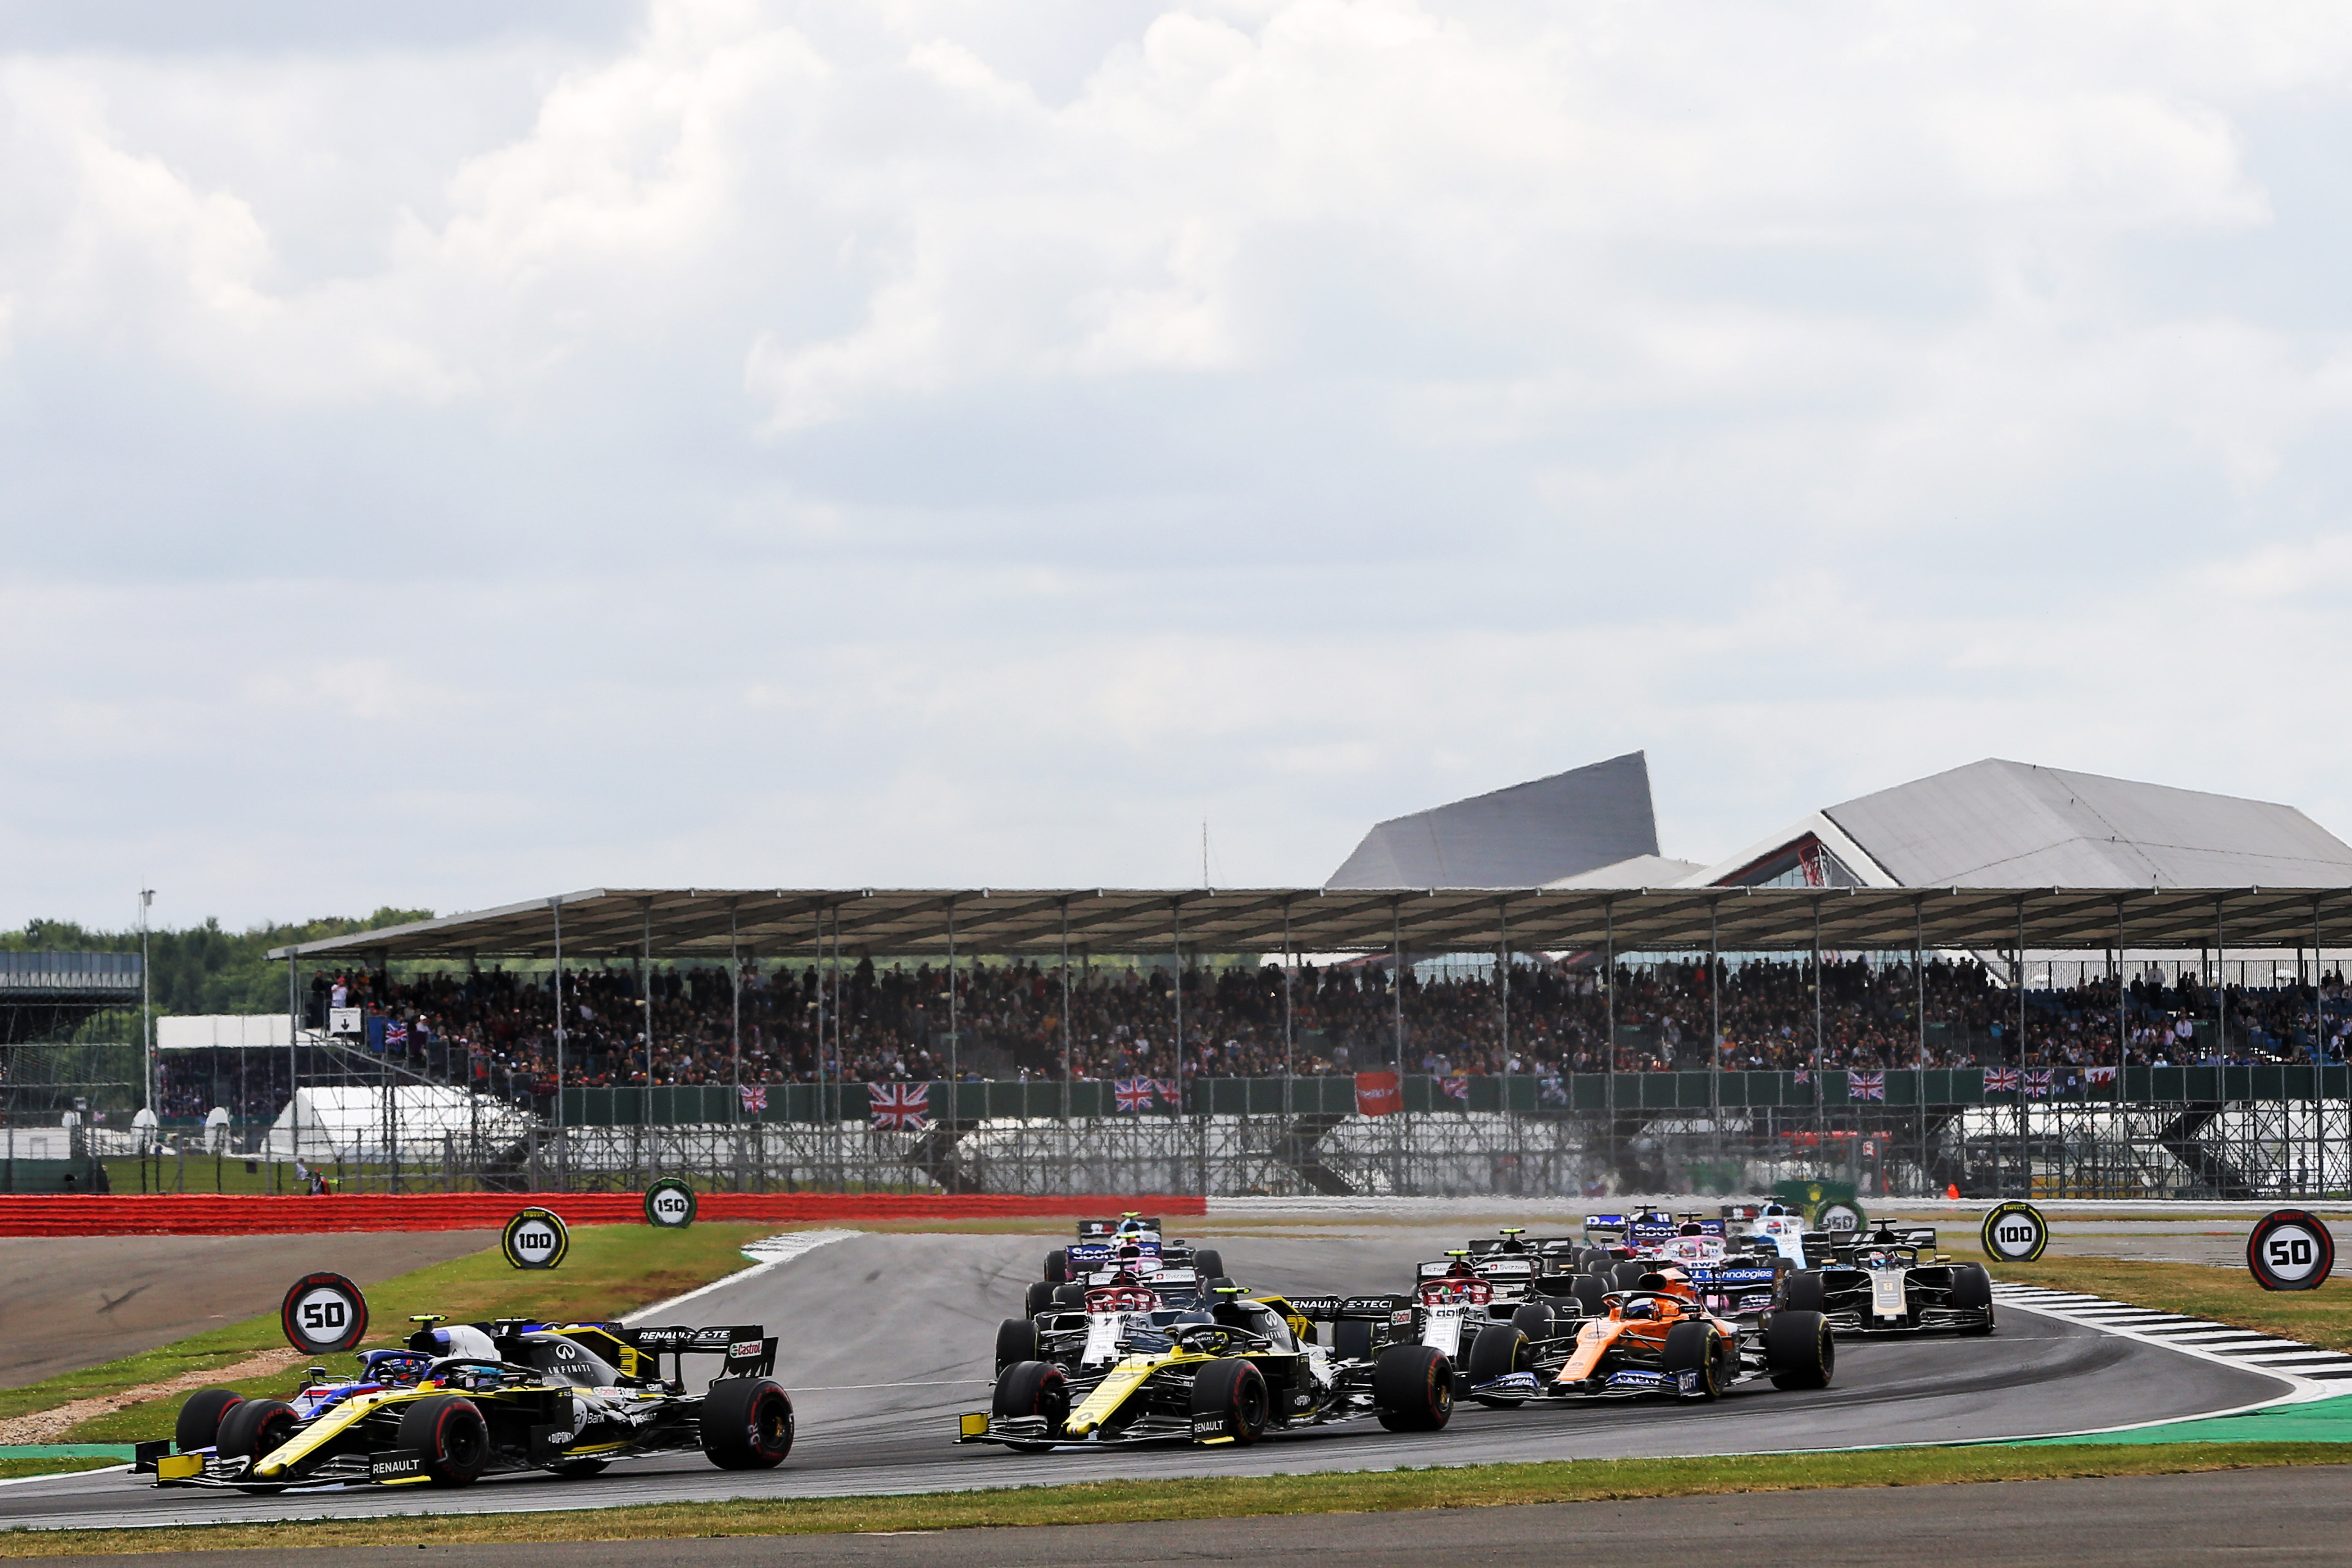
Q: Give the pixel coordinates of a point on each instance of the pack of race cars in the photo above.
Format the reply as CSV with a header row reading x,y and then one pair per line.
x,y
1129,1337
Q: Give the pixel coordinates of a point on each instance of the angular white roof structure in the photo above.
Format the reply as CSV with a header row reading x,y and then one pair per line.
x,y
1999,823
1525,836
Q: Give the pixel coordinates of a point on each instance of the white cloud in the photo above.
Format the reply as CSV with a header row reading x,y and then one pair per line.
x,y
799,442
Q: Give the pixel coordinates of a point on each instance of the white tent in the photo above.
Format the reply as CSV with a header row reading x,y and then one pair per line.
x,y
358,1125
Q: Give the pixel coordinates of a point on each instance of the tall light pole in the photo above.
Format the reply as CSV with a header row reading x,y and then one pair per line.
x,y
146,1018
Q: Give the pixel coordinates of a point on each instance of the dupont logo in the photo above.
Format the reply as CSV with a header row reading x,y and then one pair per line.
x,y
556,1438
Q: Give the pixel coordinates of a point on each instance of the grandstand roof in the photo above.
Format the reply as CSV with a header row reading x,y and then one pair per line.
x,y
2000,824
694,923
1526,835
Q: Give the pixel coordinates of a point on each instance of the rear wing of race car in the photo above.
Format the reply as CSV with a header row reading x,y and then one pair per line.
x,y
1334,1308
1088,1229
749,1348
1481,1246
1499,1268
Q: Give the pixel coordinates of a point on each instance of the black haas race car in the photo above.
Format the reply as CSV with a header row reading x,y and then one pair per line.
x,y
468,1400
1894,1281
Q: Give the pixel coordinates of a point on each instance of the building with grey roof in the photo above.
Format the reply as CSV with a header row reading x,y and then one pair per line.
x,y
1575,824
1999,823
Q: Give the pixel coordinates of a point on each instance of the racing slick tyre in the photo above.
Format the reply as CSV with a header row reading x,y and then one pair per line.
x,y
1073,1294
1207,1261
1597,1262
448,1431
1040,1297
1627,1276
1806,1292
1590,1288
1034,1388
251,1428
1352,1340
1972,1288
1057,1267
1016,1341
747,1424
1500,1350
579,1469
1535,1320
200,1418
1413,1388
1690,1347
1233,1389
1799,1349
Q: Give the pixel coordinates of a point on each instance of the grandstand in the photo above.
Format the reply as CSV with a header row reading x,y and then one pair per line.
x,y
1866,979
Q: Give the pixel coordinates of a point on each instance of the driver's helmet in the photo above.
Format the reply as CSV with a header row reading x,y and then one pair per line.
x,y
1461,1269
1640,1309
1130,1224
1885,1237
399,1368
1773,1211
1692,1227
1878,1259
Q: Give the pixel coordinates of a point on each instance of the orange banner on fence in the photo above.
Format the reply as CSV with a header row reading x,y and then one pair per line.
x,y
203,1214
1378,1094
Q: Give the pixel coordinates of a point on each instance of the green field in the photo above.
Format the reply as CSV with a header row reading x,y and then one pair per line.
x,y
612,1270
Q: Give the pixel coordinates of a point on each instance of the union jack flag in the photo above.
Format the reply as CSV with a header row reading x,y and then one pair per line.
x,y
1134,1093
1458,1085
1171,1094
903,1107
2037,1082
755,1096
2000,1080
395,1034
1866,1085
1804,1074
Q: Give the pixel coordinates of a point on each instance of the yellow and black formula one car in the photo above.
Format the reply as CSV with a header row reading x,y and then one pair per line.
x,y
475,1399
1228,1374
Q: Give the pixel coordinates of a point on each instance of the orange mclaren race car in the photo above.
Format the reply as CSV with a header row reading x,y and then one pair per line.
x,y
1658,1338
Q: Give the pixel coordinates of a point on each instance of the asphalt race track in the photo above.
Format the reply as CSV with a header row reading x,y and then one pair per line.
x,y
886,1337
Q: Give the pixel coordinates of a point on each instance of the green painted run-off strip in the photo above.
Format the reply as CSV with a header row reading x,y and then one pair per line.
x,y
2320,1420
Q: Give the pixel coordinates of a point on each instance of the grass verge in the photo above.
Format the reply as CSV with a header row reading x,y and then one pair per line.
x,y
11,1468
611,1270
1107,1502
2321,1316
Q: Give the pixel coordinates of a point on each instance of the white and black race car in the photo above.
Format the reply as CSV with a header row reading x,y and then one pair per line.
x,y
1894,1281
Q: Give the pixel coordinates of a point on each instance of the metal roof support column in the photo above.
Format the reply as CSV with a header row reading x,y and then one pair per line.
x,y
954,1026
293,1065
1503,975
1066,1014
555,908
1715,1028
1821,1121
1919,1010
735,1037
2220,990
1176,918
1396,982
2025,1122
645,998
1289,1063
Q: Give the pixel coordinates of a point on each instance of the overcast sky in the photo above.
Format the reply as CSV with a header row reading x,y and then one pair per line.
x,y
454,452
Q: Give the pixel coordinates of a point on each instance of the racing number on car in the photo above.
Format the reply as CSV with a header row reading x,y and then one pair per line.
x,y
2015,1233
2290,1250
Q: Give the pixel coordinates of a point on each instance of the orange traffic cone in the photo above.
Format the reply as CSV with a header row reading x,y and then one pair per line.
x,y
1952,1190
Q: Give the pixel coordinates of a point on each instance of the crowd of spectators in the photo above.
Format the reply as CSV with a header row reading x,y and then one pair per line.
x,y
495,1028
